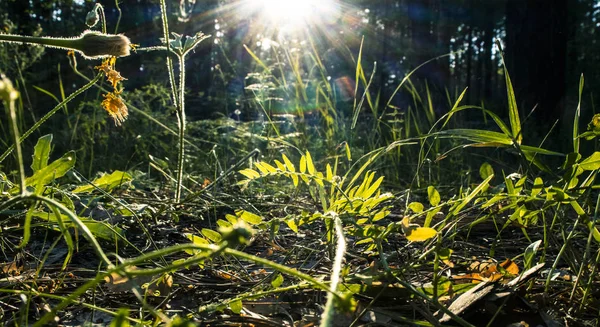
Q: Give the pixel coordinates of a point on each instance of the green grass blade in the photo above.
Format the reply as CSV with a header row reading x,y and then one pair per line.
x,y
513,110
576,118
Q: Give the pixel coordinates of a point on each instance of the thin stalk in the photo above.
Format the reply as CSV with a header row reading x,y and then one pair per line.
x,y
49,114
12,114
340,251
181,116
560,254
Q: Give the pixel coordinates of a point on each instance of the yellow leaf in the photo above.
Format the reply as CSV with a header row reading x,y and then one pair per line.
x,y
288,163
303,164
329,173
309,164
250,173
263,170
421,234
280,165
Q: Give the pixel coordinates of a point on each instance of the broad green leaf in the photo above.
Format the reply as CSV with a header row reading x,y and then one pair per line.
x,y
41,152
309,164
211,235
106,182
433,195
421,234
380,215
54,170
486,170
277,281
249,217
236,306
592,162
416,207
98,228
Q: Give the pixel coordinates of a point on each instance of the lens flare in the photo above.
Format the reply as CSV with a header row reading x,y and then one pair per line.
x,y
294,14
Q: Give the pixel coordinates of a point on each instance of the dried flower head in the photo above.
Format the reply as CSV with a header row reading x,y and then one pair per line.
x,y
98,45
108,67
7,91
115,107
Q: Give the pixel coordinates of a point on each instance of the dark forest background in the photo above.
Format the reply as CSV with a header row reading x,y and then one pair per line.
x,y
547,44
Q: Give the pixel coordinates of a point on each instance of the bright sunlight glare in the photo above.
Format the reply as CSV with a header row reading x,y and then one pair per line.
x,y
293,14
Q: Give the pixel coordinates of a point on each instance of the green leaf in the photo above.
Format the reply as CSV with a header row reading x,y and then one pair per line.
x,y
51,172
231,218
592,162
486,170
106,182
416,207
41,152
433,195
538,185
211,235
249,217
513,110
530,252
472,195
236,306
223,223
277,281
348,152
98,228
576,118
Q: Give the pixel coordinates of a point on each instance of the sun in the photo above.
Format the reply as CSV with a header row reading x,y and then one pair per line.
x,y
293,14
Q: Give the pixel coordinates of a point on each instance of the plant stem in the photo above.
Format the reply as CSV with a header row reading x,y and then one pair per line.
x,y
12,114
336,270
181,116
49,114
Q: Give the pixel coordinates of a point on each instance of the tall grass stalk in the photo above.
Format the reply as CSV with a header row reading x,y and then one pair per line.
x,y
50,114
340,251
